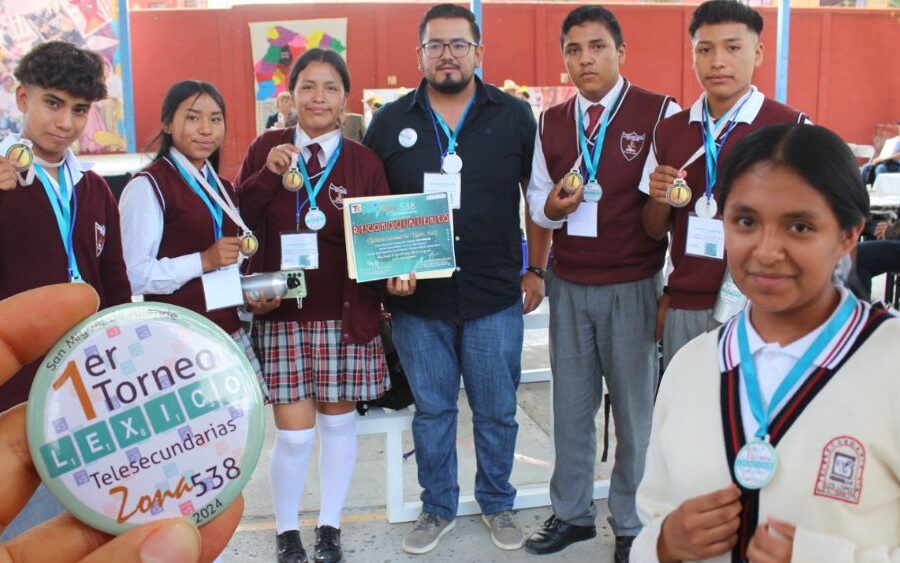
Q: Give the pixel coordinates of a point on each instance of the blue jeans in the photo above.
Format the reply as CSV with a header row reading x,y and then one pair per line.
x,y
488,353
867,169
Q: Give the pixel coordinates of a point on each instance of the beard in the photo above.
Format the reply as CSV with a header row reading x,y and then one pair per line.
x,y
448,85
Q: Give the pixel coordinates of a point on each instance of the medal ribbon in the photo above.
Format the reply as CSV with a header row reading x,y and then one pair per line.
x,y
763,415
219,196
714,138
436,120
592,164
313,192
65,214
298,205
215,210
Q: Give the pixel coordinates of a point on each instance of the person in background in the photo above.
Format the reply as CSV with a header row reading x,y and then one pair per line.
x,y
286,115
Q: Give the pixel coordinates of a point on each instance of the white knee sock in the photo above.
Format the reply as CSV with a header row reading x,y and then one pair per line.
x,y
287,475
337,459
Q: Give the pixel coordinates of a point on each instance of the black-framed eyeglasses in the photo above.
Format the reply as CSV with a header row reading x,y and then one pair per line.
x,y
458,48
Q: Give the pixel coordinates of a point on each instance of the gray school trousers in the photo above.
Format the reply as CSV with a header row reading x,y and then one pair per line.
x,y
601,332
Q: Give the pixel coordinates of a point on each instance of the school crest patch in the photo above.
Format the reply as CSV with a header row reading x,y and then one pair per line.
x,y
631,144
841,470
336,194
99,237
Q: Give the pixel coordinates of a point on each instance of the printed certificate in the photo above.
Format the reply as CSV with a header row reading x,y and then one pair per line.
x,y
389,236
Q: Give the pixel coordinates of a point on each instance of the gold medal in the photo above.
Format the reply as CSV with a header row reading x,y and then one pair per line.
x,y
21,155
249,244
572,182
292,180
678,194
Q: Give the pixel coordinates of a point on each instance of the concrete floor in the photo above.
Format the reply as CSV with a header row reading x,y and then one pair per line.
x,y
366,534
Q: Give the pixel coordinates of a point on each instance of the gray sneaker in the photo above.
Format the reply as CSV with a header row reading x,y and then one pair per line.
x,y
505,530
426,534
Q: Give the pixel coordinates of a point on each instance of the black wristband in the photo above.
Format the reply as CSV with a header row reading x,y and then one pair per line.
x,y
539,272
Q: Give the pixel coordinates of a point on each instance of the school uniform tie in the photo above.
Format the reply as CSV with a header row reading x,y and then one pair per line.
x,y
594,112
313,167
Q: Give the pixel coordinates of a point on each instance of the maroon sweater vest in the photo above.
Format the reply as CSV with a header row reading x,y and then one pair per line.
x,y
622,252
188,228
32,254
694,283
270,210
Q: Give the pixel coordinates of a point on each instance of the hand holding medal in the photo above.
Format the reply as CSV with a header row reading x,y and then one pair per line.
x,y
217,200
281,159
292,179
19,158
572,182
678,194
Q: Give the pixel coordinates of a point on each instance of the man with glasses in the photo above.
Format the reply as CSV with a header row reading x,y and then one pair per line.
x,y
454,133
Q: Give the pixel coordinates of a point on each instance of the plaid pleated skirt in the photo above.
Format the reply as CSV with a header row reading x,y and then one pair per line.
x,y
243,340
309,360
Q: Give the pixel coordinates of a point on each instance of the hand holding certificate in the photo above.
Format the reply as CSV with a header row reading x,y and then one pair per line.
x,y
391,236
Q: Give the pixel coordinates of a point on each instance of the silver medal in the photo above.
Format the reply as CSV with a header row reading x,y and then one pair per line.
x,y
315,219
592,191
706,207
452,163
755,464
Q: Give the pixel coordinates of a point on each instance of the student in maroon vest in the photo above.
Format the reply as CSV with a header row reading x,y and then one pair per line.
x,y
726,51
60,221
604,281
322,354
58,84
173,230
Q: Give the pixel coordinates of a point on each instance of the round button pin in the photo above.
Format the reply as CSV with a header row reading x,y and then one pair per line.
x,y
407,137
142,412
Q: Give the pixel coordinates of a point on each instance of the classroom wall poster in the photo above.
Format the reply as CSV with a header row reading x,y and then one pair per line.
x,y
276,45
98,25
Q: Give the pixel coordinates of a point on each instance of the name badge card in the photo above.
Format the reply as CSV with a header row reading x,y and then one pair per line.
x,y
451,184
705,237
583,221
299,250
222,288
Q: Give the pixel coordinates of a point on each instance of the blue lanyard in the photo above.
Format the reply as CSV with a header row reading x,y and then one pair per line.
x,y
763,415
299,205
313,192
214,210
436,120
65,215
713,147
592,163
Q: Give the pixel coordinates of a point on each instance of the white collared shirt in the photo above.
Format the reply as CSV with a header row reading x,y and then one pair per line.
x,y
747,114
773,362
541,184
328,142
142,224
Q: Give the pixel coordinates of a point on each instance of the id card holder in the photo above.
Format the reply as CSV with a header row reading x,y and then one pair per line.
x,y
299,250
222,288
705,237
451,184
